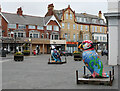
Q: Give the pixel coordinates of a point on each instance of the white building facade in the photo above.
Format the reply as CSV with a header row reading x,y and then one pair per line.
x,y
113,20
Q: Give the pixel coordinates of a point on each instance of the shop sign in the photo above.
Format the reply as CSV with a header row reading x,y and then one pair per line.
x,y
72,43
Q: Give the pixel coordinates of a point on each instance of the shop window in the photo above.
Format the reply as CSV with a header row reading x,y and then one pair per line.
x,y
42,36
47,36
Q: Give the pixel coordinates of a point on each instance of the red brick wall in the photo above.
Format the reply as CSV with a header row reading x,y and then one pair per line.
x,y
4,27
54,23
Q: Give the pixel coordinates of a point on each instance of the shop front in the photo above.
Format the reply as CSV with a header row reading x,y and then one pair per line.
x,y
40,45
72,46
59,44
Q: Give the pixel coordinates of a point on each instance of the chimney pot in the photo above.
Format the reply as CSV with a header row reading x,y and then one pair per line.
x,y
19,11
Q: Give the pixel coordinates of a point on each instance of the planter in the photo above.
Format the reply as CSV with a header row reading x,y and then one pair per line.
x,y
18,57
77,56
26,53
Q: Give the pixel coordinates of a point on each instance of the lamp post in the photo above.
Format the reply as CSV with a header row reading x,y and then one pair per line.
x,y
14,41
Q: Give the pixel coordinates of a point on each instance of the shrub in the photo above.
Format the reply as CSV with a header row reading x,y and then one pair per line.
x,y
26,51
18,53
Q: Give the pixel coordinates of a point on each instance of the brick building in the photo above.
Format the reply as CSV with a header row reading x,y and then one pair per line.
x,y
21,29
76,27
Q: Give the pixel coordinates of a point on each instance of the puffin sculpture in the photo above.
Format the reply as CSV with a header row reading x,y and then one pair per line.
x,y
92,60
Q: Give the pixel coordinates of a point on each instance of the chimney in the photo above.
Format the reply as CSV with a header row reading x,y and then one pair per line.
x,y
100,14
19,11
0,8
50,7
68,6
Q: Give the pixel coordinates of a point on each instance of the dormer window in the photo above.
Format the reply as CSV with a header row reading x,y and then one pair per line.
x,y
81,19
94,20
85,19
101,21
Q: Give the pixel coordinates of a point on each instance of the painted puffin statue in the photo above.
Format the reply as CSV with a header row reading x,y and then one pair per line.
x,y
55,55
92,60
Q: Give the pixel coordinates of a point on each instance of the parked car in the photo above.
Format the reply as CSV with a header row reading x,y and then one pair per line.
x,y
104,52
65,53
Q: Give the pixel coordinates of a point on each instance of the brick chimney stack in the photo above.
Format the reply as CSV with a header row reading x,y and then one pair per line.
x,y
100,14
19,11
50,7
0,8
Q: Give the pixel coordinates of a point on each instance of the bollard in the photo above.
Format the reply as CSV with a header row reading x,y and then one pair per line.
x,y
84,70
77,76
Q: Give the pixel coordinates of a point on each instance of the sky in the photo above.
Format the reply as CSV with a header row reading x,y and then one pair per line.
x,y
39,7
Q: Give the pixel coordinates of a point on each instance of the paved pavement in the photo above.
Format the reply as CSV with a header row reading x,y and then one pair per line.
x,y
35,73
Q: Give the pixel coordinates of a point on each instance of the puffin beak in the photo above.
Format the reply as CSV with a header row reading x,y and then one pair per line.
x,y
80,47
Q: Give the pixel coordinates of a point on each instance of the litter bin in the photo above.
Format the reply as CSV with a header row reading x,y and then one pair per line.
x,y
3,53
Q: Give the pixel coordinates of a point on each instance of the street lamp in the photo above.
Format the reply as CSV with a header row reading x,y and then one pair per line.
x,y
14,41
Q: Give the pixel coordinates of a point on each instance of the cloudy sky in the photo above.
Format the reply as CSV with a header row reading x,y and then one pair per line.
x,y
39,7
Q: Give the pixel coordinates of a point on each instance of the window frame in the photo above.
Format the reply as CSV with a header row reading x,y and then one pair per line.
x,y
31,27
63,25
66,15
49,27
68,25
55,28
71,16
9,26
40,28
74,26
81,27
